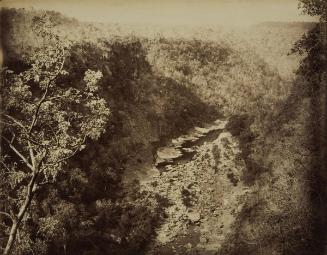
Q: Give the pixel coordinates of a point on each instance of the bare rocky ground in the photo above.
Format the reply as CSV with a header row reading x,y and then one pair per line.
x,y
200,175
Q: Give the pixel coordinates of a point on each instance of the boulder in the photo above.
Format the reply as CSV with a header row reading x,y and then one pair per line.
x,y
194,217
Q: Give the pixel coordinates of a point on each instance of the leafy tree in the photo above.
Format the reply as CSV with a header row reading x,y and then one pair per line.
x,y
314,44
311,46
317,8
44,123
314,8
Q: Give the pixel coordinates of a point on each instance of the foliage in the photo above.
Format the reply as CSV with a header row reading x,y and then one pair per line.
x,y
145,109
315,53
235,81
44,122
314,8
290,150
156,89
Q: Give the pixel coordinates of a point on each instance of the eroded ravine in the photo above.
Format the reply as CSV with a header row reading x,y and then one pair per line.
x,y
200,174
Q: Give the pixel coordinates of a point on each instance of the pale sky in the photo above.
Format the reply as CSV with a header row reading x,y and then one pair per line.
x,y
193,12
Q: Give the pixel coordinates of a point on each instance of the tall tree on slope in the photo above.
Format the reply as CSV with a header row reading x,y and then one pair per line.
x,y
44,123
314,8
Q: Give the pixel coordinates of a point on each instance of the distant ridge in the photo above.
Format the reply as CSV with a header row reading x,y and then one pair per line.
x,y
295,24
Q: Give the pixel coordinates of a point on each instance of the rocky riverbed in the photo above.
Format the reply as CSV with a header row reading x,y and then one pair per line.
x,y
200,175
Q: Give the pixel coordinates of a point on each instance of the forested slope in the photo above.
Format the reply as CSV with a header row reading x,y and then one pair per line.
x,y
159,87
89,203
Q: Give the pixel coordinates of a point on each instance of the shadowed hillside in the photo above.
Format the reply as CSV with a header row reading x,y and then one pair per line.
x,y
164,86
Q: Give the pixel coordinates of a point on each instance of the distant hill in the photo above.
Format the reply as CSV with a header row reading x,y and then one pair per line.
x,y
293,25
273,41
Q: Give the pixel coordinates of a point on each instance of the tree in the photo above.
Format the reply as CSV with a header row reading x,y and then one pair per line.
x,y
314,8
314,44
44,123
314,68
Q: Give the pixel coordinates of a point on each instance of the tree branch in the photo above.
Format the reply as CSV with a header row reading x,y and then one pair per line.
x,y
29,136
7,123
15,121
41,161
30,149
18,153
70,155
3,163
28,139
54,134
45,94
28,198
36,114
8,215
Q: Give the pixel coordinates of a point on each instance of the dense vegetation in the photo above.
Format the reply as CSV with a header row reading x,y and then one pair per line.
x,y
290,196
157,87
89,211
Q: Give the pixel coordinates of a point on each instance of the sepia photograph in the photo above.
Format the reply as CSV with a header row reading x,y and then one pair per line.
x,y
163,127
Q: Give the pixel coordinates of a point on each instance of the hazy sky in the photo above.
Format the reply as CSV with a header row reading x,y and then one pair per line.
x,y
198,12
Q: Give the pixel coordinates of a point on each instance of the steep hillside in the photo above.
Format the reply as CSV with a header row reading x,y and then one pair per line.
x,y
227,191
273,42
90,200
289,197
237,81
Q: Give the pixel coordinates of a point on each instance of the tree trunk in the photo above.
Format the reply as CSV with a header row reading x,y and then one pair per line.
x,y
12,237
22,211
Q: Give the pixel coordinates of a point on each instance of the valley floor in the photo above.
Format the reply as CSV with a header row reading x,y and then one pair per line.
x,y
205,194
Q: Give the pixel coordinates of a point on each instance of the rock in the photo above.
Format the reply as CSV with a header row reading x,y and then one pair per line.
x,y
168,153
202,130
203,239
188,150
188,246
194,217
